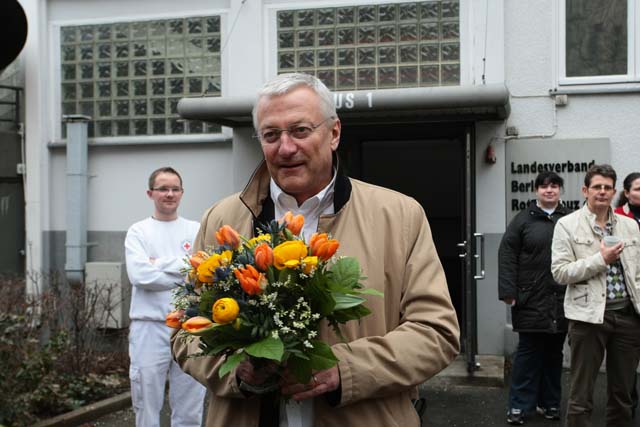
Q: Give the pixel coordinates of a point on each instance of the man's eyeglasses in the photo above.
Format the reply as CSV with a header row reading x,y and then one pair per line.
x,y
601,187
298,131
167,190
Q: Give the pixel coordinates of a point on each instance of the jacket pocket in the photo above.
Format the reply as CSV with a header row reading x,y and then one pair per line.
x,y
524,292
632,247
578,294
583,246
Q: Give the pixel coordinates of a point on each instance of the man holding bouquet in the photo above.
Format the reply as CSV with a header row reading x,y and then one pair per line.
x,y
412,333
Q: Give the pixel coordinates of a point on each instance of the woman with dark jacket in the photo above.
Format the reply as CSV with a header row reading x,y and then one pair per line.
x,y
526,284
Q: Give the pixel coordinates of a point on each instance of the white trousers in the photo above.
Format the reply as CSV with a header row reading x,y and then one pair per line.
x,y
151,363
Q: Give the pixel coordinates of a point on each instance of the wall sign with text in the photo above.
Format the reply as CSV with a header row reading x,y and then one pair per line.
x,y
570,159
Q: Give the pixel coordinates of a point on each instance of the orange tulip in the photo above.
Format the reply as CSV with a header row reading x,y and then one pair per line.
x,y
228,236
293,223
264,256
174,319
198,258
252,281
323,247
195,324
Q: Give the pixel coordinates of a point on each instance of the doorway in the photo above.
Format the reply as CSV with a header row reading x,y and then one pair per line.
x,y
429,162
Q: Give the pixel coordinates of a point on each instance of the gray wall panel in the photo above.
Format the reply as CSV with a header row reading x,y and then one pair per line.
x,y
107,246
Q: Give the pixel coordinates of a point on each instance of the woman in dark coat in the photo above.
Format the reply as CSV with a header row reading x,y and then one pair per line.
x,y
526,284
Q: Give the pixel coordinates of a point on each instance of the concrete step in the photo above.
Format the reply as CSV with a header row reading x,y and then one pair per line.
x,y
490,373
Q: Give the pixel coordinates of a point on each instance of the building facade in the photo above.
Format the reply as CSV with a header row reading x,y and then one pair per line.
x,y
458,103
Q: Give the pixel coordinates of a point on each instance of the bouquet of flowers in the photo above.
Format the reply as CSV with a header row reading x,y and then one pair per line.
x,y
263,299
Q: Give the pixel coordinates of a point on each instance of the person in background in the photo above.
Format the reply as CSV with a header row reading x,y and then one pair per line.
x,y
629,200
525,283
629,205
155,250
595,253
411,334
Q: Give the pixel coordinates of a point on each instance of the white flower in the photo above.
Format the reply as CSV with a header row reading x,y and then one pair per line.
x,y
312,334
285,329
274,334
307,344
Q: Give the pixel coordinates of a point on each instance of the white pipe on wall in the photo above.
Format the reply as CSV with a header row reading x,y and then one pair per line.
x,y
77,198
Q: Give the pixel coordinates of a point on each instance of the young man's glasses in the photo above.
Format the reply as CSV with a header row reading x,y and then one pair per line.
x,y
167,190
298,131
601,187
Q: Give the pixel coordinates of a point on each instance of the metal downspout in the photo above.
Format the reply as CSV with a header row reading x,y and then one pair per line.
x,y
76,198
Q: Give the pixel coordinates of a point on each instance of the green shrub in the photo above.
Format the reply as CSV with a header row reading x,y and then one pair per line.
x,y
50,357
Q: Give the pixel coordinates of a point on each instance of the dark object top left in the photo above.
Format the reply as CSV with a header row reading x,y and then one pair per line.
x,y
13,31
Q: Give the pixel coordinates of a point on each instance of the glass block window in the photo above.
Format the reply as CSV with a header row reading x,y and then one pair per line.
x,y
373,46
129,76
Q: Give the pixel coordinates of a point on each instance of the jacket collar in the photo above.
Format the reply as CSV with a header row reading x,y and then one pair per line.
x,y
535,209
591,217
255,195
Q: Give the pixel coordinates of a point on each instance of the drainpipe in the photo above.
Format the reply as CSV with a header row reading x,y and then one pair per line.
x,y
77,197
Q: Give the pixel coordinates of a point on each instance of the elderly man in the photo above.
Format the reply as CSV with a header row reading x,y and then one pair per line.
x,y
413,332
596,253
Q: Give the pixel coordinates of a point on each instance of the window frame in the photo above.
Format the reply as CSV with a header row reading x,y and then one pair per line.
x,y
55,76
633,50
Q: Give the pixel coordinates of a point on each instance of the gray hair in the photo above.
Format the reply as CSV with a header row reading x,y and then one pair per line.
x,y
285,83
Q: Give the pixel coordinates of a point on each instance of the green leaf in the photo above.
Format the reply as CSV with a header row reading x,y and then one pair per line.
x,y
369,291
345,272
288,274
271,276
344,301
353,313
268,348
206,302
231,362
322,356
300,368
321,300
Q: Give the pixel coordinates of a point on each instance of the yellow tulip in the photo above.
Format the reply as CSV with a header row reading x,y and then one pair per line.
x,y
288,254
206,270
309,264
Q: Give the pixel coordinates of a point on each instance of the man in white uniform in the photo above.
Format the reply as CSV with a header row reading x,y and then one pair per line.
x,y
156,250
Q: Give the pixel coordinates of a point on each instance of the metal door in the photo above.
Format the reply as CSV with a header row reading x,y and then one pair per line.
x,y
427,161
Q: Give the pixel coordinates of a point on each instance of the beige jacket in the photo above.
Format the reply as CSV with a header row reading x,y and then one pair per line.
x,y
576,261
412,334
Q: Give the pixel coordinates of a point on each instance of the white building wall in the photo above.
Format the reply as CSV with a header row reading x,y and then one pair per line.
x,y
118,182
514,41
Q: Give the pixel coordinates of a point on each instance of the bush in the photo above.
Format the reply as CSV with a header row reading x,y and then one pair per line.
x,y
53,357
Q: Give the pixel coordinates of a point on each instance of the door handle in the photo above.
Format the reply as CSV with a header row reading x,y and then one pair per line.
x,y
463,248
479,256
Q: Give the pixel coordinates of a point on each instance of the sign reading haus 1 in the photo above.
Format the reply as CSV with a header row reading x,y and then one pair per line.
x,y
568,158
